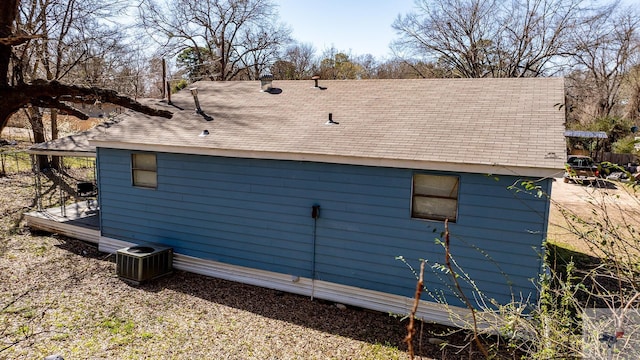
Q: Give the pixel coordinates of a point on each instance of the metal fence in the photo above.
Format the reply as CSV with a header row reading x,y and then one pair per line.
x,y
19,161
14,161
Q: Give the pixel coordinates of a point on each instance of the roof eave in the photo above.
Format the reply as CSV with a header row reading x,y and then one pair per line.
x,y
493,169
62,153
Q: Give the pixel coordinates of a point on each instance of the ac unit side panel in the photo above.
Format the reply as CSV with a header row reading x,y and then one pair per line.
x,y
137,267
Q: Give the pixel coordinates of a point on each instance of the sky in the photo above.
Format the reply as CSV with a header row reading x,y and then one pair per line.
x,y
356,27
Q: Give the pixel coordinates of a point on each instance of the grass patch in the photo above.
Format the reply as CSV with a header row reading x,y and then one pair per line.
x,y
60,337
12,162
560,255
118,326
18,161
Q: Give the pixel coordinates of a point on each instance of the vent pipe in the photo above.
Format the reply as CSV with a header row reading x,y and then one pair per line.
x,y
315,79
331,121
266,82
194,93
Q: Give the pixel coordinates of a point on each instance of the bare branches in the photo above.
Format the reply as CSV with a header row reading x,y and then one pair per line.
x,y
605,50
480,38
55,38
17,40
411,331
239,37
454,277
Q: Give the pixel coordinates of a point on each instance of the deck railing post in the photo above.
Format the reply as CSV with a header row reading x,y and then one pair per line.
x,y
35,167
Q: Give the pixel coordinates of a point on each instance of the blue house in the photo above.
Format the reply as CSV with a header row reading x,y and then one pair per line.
x,y
317,187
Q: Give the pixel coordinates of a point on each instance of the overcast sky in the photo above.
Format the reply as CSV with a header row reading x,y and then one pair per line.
x,y
356,26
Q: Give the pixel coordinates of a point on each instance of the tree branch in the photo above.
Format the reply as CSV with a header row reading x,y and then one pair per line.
x,y
51,93
17,40
64,108
454,277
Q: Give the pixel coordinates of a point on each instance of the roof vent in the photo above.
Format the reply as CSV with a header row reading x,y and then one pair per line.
x,y
204,133
266,82
194,93
315,79
330,121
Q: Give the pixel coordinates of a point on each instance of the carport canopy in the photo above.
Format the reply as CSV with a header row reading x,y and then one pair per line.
x,y
586,134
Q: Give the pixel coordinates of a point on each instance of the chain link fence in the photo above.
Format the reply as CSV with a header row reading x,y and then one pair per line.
x,y
14,161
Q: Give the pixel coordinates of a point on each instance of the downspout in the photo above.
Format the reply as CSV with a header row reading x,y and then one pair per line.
x,y
315,214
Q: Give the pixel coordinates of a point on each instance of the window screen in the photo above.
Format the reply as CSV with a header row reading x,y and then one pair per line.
x,y
144,170
435,197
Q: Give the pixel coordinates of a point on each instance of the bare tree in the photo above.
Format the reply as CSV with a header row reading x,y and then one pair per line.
x,y
410,69
632,92
241,37
16,93
73,34
606,52
338,65
491,38
368,64
295,63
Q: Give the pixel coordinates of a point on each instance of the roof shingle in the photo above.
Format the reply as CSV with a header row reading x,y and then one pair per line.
x,y
503,123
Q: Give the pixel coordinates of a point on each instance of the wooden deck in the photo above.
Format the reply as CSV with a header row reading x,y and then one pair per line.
x,y
76,220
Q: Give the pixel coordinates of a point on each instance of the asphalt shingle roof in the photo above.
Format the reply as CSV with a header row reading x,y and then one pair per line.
x,y
73,145
507,124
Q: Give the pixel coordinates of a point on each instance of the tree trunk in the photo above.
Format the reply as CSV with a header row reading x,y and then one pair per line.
x,y
37,126
55,160
8,13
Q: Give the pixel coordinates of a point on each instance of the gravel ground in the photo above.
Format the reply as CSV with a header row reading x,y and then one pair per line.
x,y
60,296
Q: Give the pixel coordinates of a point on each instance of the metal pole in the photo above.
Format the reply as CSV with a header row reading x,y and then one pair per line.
x,y
164,78
313,260
63,211
38,186
61,180
315,213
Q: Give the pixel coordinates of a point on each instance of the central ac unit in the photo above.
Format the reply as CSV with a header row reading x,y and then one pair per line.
x,y
140,263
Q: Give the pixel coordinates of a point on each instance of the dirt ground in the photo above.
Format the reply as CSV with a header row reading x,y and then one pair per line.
x,y
601,203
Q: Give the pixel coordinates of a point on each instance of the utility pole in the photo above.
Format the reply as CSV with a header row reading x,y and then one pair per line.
x,y
164,78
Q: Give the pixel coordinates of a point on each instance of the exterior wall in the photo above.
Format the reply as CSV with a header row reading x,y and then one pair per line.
x,y
257,214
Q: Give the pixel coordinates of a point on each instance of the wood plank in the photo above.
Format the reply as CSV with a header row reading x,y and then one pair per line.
x,y
77,221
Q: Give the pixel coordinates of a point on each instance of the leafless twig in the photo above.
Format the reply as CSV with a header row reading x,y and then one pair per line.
x,y
416,301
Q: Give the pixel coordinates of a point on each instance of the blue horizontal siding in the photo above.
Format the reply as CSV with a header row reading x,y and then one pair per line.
x,y
257,213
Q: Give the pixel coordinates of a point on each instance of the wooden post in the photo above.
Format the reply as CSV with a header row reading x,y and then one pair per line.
x,y
168,93
164,78
167,84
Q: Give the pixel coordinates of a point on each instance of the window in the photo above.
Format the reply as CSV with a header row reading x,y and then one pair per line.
x,y
435,197
144,170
